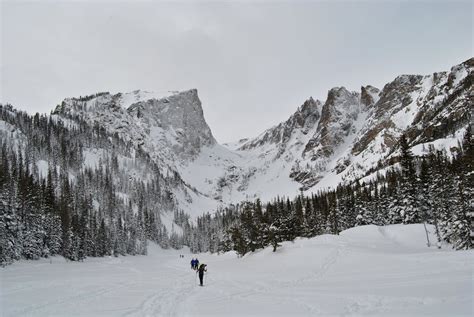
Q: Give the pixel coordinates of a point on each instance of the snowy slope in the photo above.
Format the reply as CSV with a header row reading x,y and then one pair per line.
x,y
367,270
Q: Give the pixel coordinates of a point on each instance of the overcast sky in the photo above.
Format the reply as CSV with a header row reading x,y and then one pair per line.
x,y
253,62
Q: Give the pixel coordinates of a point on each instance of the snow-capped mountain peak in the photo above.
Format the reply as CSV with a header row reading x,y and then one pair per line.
x,y
170,122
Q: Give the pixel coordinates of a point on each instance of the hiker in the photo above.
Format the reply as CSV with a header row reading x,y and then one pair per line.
x,y
196,264
193,263
201,270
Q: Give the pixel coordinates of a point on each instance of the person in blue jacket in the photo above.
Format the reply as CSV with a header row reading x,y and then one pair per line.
x,y
193,264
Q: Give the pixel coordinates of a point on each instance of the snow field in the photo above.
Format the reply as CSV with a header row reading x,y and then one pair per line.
x,y
369,270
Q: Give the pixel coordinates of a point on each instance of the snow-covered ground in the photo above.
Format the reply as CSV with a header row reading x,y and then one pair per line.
x,y
368,270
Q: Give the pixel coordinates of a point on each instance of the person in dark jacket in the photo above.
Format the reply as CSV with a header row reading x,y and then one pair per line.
x,y
193,262
196,264
202,268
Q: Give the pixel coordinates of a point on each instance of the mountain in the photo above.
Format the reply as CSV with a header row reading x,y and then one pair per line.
x,y
355,132
166,127
350,136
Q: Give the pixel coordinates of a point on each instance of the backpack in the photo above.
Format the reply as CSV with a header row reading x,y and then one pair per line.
x,y
202,268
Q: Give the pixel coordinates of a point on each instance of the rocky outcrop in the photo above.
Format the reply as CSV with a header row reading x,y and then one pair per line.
x,y
369,95
178,119
337,117
158,123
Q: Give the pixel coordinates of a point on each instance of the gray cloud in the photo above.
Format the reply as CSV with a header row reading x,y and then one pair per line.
x,y
252,62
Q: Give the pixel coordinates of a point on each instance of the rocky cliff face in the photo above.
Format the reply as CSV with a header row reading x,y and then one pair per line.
x,y
369,95
171,128
339,113
177,120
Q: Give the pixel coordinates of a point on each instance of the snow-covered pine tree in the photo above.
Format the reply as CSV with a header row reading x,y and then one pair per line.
x,y
407,191
362,207
239,242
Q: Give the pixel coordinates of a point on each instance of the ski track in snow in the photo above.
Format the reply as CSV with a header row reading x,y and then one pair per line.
x,y
165,302
365,271
34,309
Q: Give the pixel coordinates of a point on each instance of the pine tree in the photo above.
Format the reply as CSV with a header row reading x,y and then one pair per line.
x,y
298,216
364,214
383,203
239,241
407,193
102,239
274,237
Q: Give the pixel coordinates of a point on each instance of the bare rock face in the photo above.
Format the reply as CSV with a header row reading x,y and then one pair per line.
x,y
369,95
177,120
397,94
338,115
